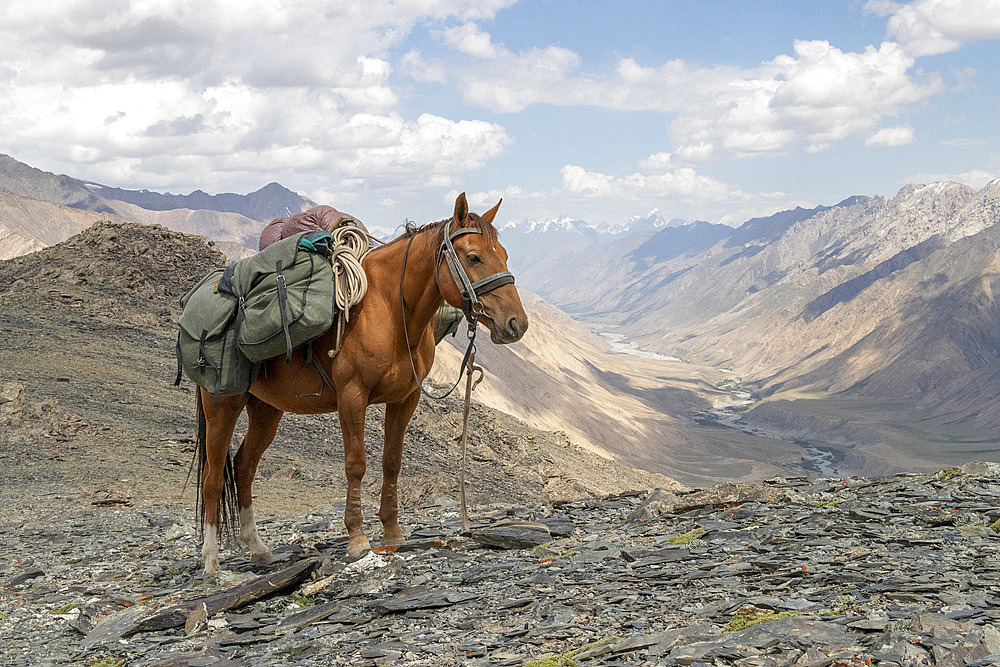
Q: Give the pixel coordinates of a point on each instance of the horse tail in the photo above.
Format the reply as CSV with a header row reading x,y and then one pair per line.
x,y
227,516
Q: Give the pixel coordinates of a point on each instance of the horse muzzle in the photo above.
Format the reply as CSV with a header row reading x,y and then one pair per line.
x,y
509,329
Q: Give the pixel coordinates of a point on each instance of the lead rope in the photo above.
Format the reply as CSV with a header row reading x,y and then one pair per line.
x,y
468,365
470,370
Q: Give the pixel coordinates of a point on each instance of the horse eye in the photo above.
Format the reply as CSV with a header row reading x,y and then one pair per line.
x,y
474,258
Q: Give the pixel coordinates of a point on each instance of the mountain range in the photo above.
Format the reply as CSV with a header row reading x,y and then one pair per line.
x,y
38,209
870,326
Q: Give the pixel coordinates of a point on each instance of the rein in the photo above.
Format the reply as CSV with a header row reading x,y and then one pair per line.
x,y
470,351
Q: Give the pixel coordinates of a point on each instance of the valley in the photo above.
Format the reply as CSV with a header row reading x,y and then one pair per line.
x,y
867,329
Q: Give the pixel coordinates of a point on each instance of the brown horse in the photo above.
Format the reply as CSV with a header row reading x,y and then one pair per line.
x,y
378,363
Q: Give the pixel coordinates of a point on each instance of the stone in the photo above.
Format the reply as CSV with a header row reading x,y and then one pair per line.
x,y
656,504
28,575
196,619
513,535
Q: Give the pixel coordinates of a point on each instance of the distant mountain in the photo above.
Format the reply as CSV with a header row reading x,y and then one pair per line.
x,y
27,225
675,241
20,179
652,221
271,201
537,247
41,208
530,243
854,322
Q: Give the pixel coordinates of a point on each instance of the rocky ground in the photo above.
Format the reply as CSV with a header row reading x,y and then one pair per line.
x,y
900,570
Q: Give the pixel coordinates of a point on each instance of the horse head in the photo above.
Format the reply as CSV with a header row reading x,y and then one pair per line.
x,y
483,260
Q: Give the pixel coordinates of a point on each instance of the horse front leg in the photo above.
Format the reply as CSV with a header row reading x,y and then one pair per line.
x,y
262,424
351,407
397,416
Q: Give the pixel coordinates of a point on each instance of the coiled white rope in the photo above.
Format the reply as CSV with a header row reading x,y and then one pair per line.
x,y
350,245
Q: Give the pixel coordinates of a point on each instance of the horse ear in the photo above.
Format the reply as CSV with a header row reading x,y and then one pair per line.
x,y
461,209
490,214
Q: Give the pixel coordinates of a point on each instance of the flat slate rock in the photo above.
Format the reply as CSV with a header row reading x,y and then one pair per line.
x,y
513,535
422,600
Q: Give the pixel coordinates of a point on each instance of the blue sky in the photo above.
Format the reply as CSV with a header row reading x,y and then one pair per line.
x,y
595,110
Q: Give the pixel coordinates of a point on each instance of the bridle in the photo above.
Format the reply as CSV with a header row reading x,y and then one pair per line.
x,y
472,307
470,291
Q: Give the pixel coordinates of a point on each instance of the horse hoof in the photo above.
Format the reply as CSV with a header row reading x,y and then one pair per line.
x,y
259,560
393,541
359,548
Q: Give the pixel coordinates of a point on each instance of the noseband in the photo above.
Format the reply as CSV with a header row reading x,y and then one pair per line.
x,y
470,291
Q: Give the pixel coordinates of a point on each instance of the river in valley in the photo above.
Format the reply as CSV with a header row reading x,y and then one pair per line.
x,y
816,457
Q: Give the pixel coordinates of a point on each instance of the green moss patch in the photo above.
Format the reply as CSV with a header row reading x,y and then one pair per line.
x,y
65,609
688,537
106,661
749,616
566,659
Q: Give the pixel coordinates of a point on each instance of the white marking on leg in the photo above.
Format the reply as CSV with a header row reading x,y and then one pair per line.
x,y
210,549
259,553
248,531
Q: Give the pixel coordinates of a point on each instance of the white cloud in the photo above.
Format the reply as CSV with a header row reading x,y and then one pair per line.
x,y
468,38
483,201
927,27
497,79
169,93
977,178
891,136
812,98
653,181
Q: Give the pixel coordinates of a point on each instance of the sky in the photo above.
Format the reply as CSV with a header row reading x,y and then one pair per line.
x,y
599,110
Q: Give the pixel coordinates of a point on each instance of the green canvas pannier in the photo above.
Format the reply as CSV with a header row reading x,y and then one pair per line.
x,y
258,308
206,342
287,293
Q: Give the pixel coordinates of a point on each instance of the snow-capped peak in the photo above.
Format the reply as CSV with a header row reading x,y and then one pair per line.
x,y
548,225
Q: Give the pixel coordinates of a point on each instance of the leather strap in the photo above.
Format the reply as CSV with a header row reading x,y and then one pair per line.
x,y
283,307
470,291
490,283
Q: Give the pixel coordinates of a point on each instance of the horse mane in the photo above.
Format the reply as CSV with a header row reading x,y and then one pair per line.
x,y
411,229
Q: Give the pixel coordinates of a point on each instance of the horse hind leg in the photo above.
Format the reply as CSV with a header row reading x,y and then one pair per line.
x,y
397,416
262,425
216,421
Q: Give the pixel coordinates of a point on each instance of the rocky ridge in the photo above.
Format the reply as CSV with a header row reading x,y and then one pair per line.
x,y
890,571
